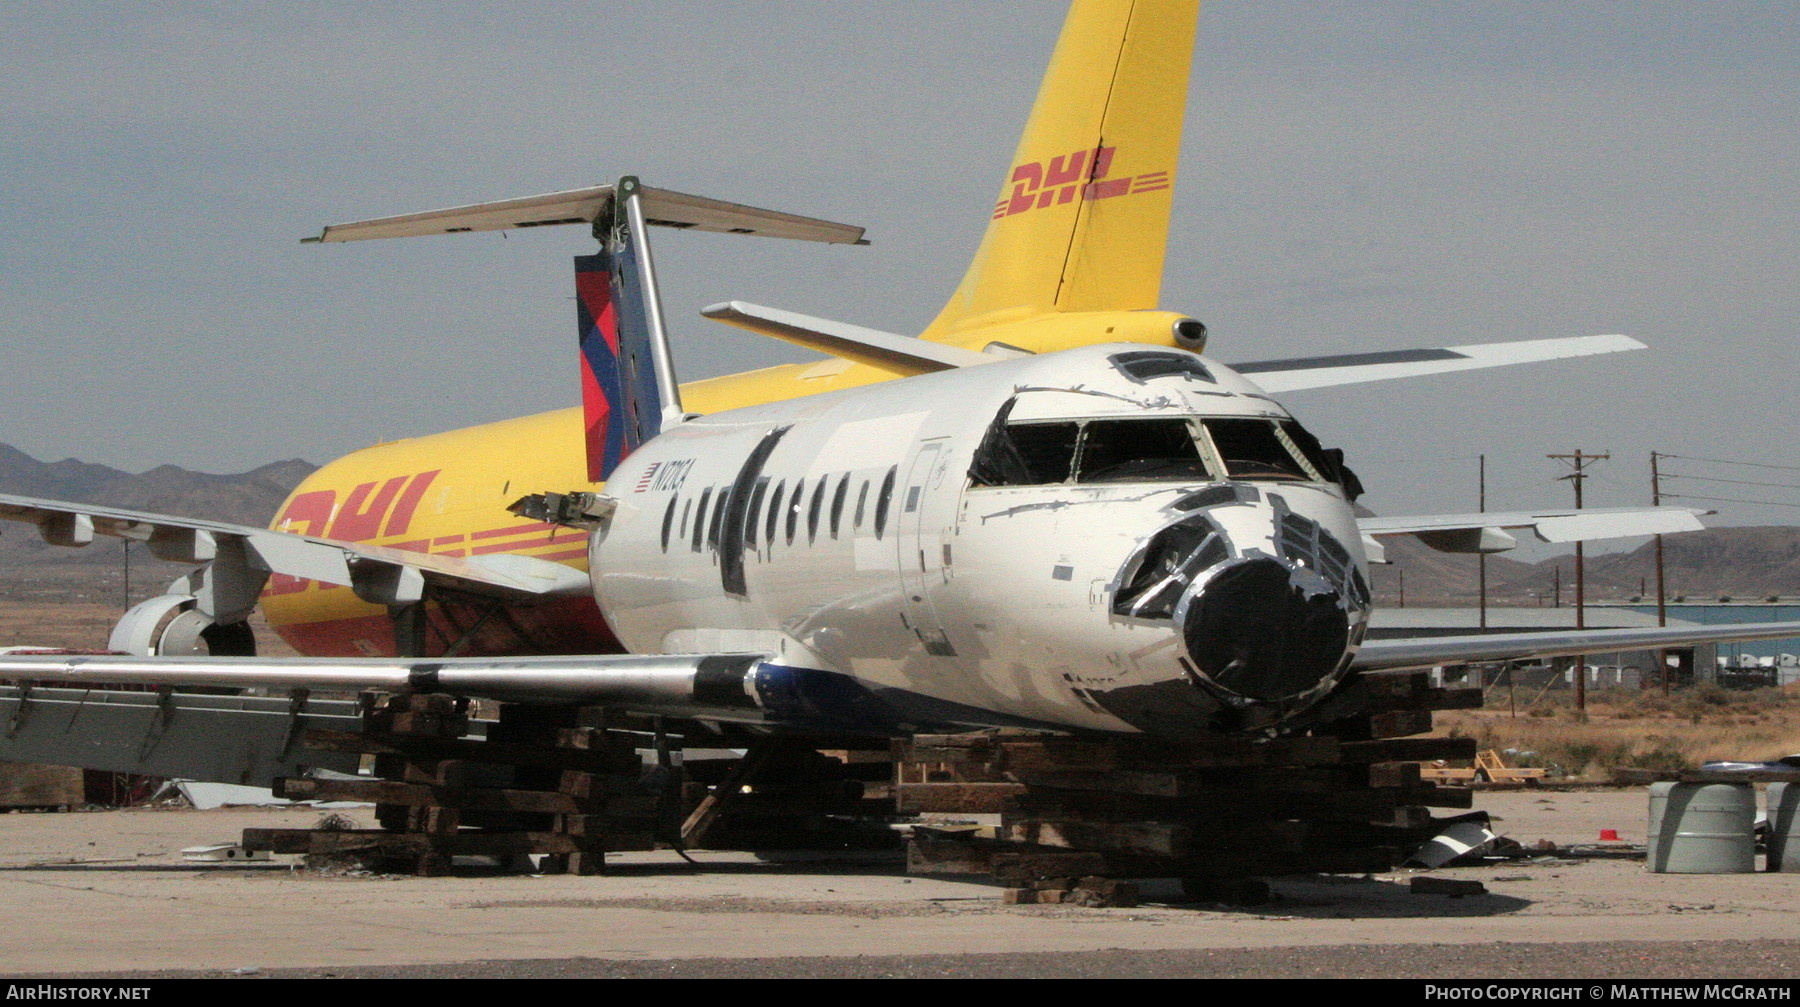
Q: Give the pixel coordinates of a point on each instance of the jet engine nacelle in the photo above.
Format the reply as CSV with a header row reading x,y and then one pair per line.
x,y
172,625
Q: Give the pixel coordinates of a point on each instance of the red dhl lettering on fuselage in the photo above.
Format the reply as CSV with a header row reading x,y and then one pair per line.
x,y
1058,180
384,510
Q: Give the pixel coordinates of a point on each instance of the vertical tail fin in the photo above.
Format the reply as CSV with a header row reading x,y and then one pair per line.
x,y
1083,218
628,389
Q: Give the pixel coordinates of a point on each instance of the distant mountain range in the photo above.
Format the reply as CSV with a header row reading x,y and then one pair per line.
x,y
28,567
1745,563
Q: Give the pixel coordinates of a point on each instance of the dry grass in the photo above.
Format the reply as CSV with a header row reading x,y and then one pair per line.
x,y
1644,730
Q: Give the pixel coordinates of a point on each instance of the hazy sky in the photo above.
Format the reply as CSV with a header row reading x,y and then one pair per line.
x,y
1355,176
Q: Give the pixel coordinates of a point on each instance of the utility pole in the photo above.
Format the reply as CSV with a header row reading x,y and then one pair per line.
x,y
1579,461
1481,557
1662,598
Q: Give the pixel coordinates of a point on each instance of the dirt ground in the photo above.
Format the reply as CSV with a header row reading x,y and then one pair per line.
x,y
108,892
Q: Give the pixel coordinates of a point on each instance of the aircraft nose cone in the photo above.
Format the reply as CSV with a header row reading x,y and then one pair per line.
x,y
1267,630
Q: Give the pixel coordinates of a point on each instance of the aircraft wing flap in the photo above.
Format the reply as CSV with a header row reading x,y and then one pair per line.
x,y
662,207
1428,652
1354,368
1486,532
904,354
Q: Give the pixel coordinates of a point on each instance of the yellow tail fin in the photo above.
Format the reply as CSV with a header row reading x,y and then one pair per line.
x,y
1083,218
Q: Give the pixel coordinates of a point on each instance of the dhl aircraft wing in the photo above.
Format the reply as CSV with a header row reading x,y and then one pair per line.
x,y
243,557
1355,368
1490,531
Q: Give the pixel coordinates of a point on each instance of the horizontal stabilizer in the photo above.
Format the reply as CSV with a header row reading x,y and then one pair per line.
x,y
1486,532
582,206
1353,368
1428,652
903,354
714,686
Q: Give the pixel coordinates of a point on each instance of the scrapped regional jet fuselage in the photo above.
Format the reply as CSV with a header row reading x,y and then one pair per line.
x,y
1113,538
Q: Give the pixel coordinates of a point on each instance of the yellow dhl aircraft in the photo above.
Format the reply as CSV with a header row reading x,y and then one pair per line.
x,y
1211,575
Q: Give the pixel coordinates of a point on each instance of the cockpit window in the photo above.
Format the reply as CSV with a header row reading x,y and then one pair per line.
x,y
1254,449
1090,451
1151,450
1143,365
1045,451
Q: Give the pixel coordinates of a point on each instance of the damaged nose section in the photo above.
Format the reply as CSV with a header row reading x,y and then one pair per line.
x,y
1266,629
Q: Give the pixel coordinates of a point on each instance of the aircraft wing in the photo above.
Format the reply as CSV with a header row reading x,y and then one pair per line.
x,y
377,573
1488,532
711,686
1428,652
1353,368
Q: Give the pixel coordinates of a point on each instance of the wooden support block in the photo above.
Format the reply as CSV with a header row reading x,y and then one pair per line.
x,y
577,783
1399,723
1155,839
440,821
1145,754
966,798
1058,754
1019,897
1392,774
1408,749
940,856
1407,816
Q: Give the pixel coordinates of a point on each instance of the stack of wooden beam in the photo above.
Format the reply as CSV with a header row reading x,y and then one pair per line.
x,y
541,782
1346,797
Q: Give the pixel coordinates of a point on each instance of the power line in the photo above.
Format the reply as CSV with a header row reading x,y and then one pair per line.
x,y
1737,482
1726,461
1766,503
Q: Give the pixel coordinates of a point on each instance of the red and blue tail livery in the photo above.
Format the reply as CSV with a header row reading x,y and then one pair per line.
x,y
621,407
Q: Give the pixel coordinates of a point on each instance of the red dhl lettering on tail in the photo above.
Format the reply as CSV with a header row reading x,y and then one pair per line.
x,y
1060,179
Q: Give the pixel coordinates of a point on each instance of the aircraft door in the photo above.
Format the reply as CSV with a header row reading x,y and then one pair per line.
x,y
927,504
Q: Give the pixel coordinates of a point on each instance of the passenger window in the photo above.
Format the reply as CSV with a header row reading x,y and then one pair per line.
x,y
1149,450
668,522
812,510
755,511
862,497
718,517
793,516
837,502
1252,450
774,513
886,498
700,519
687,507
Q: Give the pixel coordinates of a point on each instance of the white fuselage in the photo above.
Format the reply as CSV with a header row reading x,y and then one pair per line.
x,y
1108,538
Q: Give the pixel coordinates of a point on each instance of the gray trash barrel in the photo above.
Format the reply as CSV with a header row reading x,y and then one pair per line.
x,y
1784,827
1702,828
